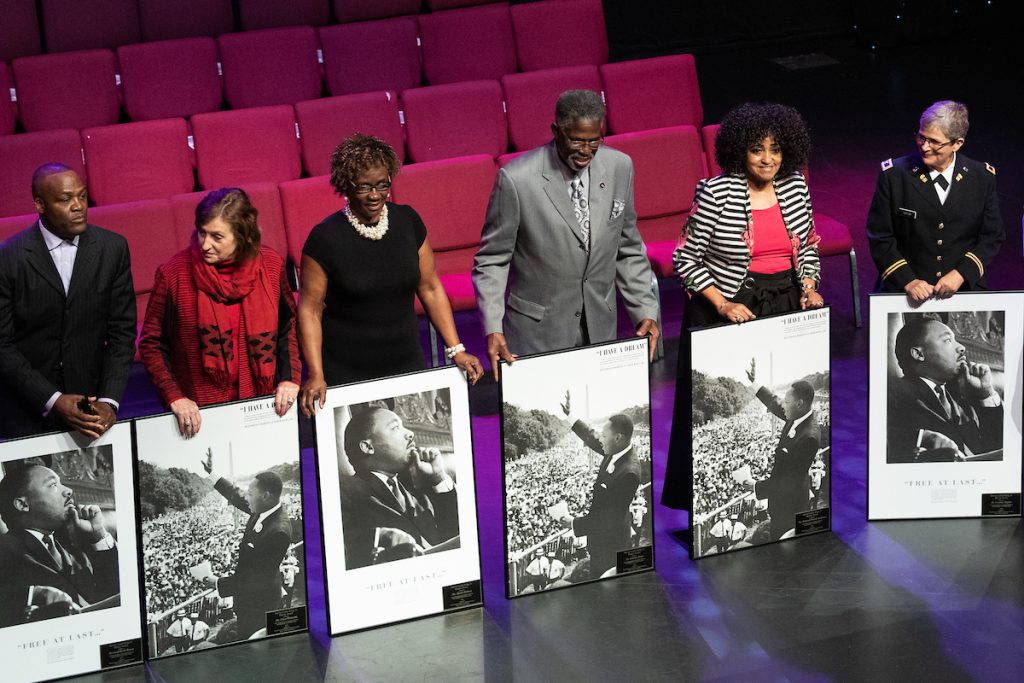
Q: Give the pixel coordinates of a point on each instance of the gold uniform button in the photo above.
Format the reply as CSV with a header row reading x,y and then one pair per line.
x,y
939,243
938,274
939,257
941,226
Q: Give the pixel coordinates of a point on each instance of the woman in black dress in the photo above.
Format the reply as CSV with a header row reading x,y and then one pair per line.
x,y
361,268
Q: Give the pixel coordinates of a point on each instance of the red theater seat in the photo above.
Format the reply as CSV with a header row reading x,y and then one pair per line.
x,y
143,160
264,196
554,34
306,203
164,20
667,164
326,122
361,10
444,121
453,219
19,27
23,154
436,5
170,78
8,112
467,44
628,87
12,225
69,90
276,66
530,98
246,146
260,14
89,24
350,68
139,222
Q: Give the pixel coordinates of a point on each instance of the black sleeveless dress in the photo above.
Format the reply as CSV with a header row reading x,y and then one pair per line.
x,y
370,329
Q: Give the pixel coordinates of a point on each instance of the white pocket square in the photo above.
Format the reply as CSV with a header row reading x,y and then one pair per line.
x,y
618,206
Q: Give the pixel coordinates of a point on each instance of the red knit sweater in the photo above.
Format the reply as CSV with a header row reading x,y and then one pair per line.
x,y
169,345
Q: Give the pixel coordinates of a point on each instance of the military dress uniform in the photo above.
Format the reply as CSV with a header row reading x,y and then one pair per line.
x,y
913,235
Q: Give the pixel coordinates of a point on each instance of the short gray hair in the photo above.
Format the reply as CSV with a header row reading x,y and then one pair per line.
x,y
948,116
578,105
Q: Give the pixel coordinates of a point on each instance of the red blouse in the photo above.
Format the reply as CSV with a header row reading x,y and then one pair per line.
x,y
772,251
169,345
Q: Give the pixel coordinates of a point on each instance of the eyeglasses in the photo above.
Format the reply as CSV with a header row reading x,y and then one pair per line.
x,y
934,144
576,143
383,187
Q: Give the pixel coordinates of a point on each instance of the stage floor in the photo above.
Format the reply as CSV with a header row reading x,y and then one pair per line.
x,y
936,600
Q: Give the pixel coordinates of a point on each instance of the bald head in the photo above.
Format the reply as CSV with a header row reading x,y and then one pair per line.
x,y
61,200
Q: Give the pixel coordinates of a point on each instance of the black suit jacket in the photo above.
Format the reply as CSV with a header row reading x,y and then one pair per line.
x,y
913,235
787,487
87,577
367,503
607,523
256,582
82,342
914,406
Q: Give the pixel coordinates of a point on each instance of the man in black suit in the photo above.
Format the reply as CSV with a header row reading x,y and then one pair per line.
x,y
57,557
401,501
787,488
934,224
944,408
607,523
67,316
256,583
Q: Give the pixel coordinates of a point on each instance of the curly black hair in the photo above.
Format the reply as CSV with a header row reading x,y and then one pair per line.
x,y
750,123
356,154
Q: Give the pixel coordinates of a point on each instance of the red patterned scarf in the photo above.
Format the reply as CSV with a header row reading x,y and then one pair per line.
x,y
248,285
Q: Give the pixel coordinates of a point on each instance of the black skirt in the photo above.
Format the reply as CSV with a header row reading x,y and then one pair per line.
x,y
764,294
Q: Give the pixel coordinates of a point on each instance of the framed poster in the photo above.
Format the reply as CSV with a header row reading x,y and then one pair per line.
x,y
760,431
576,463
223,555
69,593
944,419
398,500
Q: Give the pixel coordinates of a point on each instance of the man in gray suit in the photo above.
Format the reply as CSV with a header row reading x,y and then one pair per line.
x,y
559,235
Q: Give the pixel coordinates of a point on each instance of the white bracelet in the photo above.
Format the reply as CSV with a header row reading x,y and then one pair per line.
x,y
451,351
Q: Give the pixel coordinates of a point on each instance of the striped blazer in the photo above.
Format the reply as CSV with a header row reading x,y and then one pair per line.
x,y
712,251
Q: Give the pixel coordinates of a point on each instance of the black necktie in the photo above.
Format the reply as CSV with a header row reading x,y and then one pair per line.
x,y
397,492
944,400
51,547
941,181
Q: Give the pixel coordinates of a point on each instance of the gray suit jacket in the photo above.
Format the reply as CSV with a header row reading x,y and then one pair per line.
x,y
532,247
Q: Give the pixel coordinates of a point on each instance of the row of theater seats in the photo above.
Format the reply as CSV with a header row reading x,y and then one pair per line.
x,y
451,195
288,65
85,24
154,159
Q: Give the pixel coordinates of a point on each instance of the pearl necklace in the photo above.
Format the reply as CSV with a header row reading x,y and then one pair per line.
x,y
370,232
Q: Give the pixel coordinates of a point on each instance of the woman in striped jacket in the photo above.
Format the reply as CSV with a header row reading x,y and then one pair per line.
x,y
748,248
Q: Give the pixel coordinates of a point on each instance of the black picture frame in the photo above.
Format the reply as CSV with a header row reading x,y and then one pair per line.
x,y
127,648
293,620
995,501
327,474
817,520
638,560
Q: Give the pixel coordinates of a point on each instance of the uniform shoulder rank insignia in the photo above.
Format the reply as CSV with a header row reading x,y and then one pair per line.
x,y
990,168
887,164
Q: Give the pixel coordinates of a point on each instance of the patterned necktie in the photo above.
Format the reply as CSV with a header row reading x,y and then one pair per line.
x,y
581,207
944,400
51,547
397,492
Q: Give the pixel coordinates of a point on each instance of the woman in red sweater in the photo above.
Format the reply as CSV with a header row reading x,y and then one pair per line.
x,y
220,324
